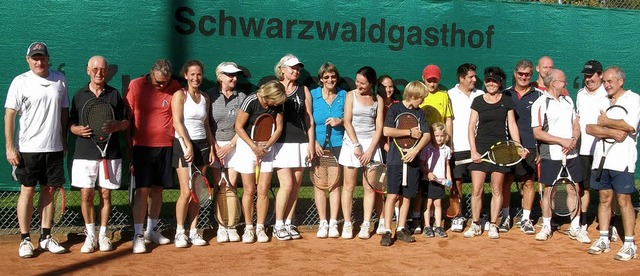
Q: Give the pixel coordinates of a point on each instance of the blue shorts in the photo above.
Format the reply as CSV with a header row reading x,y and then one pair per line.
x,y
620,182
549,170
394,181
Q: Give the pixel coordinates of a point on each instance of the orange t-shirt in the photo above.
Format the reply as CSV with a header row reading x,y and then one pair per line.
x,y
151,111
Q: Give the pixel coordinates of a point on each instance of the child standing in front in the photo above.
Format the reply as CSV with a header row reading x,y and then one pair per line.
x,y
436,173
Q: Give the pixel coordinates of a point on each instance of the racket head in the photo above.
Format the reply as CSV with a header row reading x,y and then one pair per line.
x,y
95,113
376,176
454,203
59,204
325,173
200,189
263,128
228,209
564,197
506,153
406,120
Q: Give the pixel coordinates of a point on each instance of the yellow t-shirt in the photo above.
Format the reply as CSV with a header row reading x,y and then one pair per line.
x,y
437,107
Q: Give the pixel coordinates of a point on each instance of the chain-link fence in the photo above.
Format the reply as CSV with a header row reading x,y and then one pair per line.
x,y
614,4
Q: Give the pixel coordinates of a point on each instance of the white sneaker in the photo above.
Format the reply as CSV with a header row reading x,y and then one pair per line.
x,y
139,244
627,252
293,231
197,240
494,233
474,230
380,230
457,224
50,244
333,231
262,235
90,244
579,235
365,230
527,227
599,246
614,234
155,237
248,236
233,235
26,249
544,234
105,244
281,233
347,231
181,240
323,230
222,235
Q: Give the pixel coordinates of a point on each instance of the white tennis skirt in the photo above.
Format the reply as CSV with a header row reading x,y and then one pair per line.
x,y
244,160
348,158
290,155
229,158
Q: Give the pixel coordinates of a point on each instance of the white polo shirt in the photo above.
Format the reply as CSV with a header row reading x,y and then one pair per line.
x,y
622,155
461,106
588,107
560,116
38,102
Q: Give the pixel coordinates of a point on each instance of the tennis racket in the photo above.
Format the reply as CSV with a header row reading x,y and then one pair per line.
x,y
95,113
564,193
405,120
376,176
59,204
503,153
198,183
325,173
613,112
454,208
261,131
132,186
228,206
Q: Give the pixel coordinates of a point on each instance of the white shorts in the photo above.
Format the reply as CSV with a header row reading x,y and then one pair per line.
x,y
85,172
244,160
290,155
229,158
348,158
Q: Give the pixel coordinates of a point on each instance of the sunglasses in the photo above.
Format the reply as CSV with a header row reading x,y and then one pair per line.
x,y
231,75
101,70
330,77
524,74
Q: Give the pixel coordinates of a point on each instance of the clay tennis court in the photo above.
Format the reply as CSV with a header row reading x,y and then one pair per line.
x,y
513,254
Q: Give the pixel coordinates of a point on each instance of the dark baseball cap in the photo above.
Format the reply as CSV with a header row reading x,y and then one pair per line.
x,y
591,67
37,48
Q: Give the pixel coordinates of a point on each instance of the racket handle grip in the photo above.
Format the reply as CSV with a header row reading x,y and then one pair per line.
x,y
105,168
599,172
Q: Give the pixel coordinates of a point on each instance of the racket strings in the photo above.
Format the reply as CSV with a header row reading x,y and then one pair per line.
x,y
263,128
95,115
505,153
376,176
227,207
564,197
200,188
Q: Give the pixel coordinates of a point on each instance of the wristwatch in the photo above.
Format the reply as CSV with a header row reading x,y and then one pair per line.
x,y
357,144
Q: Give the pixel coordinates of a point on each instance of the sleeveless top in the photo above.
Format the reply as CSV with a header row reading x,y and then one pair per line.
x,y
294,130
193,117
363,118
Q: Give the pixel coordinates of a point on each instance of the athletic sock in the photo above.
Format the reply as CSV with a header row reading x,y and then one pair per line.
x,y
45,233
279,223
416,215
260,225
151,224
179,228
25,236
249,227
91,229
546,221
381,221
628,240
505,213
193,232
525,215
103,231
396,211
325,221
137,228
604,235
347,223
399,228
583,218
287,222
333,222
575,223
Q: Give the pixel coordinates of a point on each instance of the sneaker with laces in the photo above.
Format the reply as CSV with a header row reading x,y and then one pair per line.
x,y
526,227
51,244
248,236
281,233
380,230
333,231
155,237
614,234
386,239
599,246
484,222
428,232
233,235
494,233
347,231
544,234
197,240
222,235
579,235
323,230
90,244
105,244
416,226
627,252
457,224
505,225
474,230
440,233
26,249
139,245
404,235
181,240
365,231
293,231
262,235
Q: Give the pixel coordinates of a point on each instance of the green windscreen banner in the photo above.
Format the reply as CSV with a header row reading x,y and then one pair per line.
x,y
398,38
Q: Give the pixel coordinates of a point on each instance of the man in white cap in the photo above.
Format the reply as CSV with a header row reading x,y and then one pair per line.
x,y
39,97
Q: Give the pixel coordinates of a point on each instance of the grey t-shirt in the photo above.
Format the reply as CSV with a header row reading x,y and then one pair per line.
x,y
223,113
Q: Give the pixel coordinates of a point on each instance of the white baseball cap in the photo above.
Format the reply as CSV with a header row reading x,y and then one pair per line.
x,y
292,62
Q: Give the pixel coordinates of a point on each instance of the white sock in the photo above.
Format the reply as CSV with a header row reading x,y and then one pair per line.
x,y
151,224
137,228
103,231
347,223
91,229
381,222
287,222
546,221
397,211
179,228
324,221
575,222
249,227
279,223
525,215
399,228
193,232
628,240
333,222
261,226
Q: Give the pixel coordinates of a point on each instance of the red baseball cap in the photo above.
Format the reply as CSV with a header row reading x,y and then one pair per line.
x,y
431,71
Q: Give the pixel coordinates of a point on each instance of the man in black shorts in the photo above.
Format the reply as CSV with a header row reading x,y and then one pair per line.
x,y
39,96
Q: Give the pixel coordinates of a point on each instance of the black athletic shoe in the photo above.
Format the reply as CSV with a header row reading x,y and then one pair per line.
x,y
404,235
386,239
